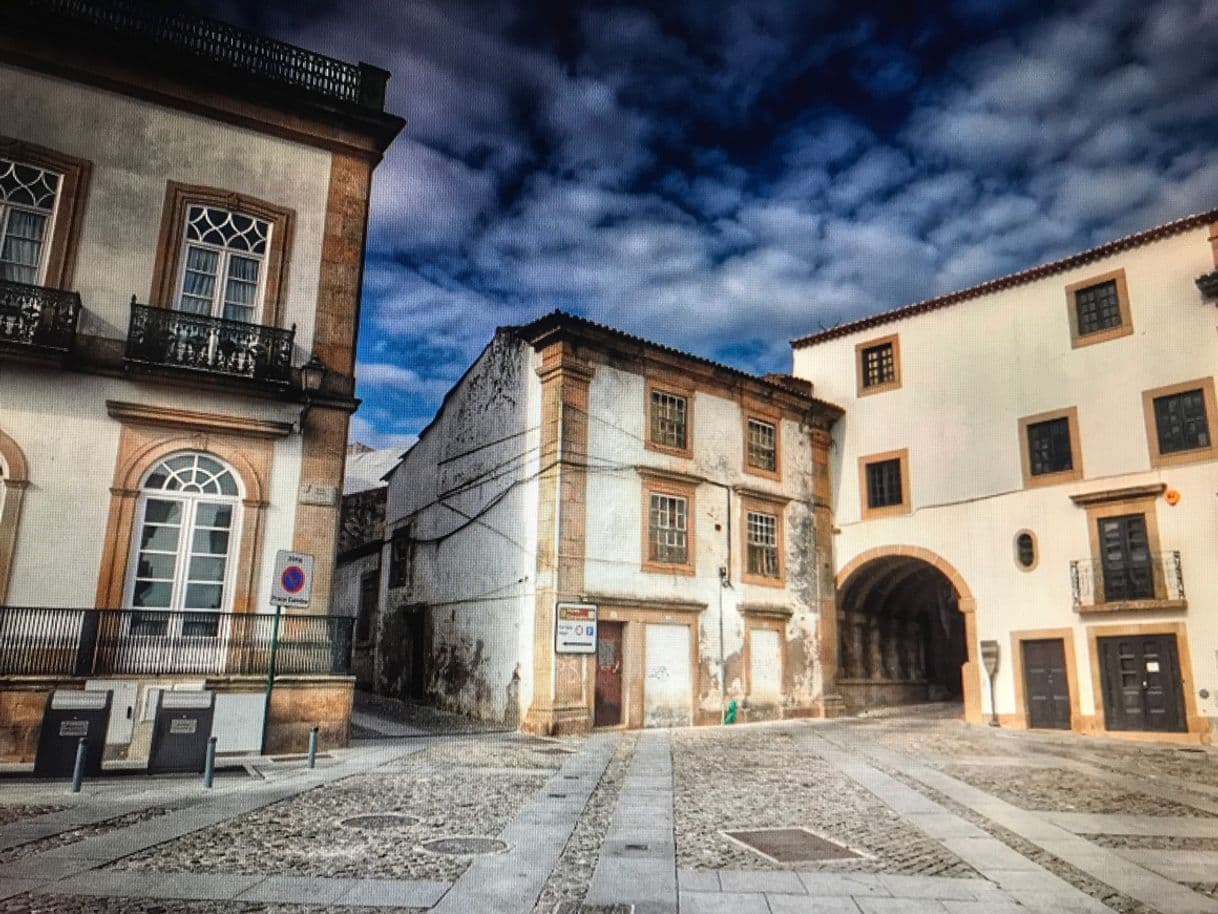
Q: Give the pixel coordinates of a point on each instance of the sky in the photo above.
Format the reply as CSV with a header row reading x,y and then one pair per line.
x,y
725,176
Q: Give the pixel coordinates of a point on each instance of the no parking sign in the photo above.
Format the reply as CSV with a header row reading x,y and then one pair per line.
x,y
293,581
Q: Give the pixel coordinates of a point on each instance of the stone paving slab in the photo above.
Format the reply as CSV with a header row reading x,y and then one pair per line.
x,y
724,903
1178,865
796,904
395,893
1082,823
297,890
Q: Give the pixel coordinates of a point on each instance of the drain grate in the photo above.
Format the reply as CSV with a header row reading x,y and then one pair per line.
x,y
464,846
555,750
381,820
791,845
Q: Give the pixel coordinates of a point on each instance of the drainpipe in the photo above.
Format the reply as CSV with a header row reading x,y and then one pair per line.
x,y
725,581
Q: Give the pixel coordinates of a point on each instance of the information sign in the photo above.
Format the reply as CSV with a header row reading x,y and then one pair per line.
x,y
575,628
293,581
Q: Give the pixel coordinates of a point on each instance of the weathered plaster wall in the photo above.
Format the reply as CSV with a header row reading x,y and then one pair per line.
x,y
969,372
615,544
467,490
135,148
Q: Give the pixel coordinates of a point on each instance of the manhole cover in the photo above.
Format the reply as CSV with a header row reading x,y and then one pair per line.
x,y
791,845
381,820
464,846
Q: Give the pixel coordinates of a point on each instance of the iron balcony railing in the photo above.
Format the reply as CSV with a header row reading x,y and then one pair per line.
x,y
184,36
38,641
176,339
37,316
1159,577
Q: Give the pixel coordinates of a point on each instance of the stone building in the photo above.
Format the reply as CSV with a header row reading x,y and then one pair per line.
x,y
361,535
1031,462
575,466
183,210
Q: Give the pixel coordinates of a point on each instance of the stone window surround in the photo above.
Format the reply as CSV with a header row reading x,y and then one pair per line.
x,y
69,205
892,339
905,506
1125,328
676,387
1193,455
675,486
1075,473
1115,503
1035,550
760,413
171,245
14,479
752,501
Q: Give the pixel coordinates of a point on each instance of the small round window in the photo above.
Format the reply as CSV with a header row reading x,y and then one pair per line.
x,y
1025,550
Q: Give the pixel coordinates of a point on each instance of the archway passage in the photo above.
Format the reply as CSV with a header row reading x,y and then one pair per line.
x,y
901,636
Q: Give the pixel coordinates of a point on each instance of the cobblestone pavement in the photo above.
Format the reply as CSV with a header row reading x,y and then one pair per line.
x,y
948,818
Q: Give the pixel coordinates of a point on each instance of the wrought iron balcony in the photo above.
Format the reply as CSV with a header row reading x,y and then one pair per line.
x,y
185,36
38,317
37,641
1159,579
159,337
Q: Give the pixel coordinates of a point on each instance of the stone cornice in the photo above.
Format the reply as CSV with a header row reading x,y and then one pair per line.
x,y
1129,493
197,421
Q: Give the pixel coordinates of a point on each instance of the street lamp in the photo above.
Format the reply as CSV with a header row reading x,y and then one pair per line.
x,y
312,374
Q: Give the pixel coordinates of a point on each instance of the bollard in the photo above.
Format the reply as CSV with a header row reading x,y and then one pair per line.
x,y
78,773
313,748
209,763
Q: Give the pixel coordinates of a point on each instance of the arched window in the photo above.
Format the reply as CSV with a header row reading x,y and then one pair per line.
x,y
189,524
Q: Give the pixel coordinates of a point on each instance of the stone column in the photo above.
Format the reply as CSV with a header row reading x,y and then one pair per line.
x,y
560,701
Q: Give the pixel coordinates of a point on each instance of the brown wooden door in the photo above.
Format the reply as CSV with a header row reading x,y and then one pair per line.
x,y
1142,685
608,674
1046,685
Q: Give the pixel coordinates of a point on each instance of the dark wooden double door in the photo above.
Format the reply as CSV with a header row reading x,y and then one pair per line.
x,y
1143,688
608,710
1045,684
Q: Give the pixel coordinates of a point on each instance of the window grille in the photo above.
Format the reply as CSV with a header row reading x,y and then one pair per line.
x,y
762,444
1098,307
27,206
667,541
763,544
884,483
1181,422
399,557
879,365
1049,447
668,417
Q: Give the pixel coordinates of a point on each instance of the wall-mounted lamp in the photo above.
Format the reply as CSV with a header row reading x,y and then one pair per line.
x,y
312,374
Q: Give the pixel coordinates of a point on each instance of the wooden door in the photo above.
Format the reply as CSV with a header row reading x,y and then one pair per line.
x,y
1045,684
1142,685
1125,563
608,711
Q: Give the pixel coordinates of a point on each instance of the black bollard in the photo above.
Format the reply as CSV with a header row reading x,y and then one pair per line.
x,y
313,748
209,763
78,773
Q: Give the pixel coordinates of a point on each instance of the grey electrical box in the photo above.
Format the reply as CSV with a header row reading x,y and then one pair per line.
x,y
69,715
180,731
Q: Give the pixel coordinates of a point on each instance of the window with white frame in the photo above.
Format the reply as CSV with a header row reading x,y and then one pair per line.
x,y
27,209
667,542
668,419
762,445
223,263
188,515
763,544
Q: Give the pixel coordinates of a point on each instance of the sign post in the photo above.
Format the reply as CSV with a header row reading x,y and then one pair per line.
x,y
575,628
292,586
989,657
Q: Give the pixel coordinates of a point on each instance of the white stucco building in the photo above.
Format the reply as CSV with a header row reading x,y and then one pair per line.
x,y
179,235
1031,462
574,464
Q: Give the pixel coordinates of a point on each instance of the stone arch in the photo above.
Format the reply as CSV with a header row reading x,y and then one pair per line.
x,y
14,478
142,448
901,564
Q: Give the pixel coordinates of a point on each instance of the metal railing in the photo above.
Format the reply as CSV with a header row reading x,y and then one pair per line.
x,y
37,316
176,339
184,35
39,641
1160,577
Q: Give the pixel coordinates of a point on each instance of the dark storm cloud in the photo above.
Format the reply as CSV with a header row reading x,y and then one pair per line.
x,y
724,176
